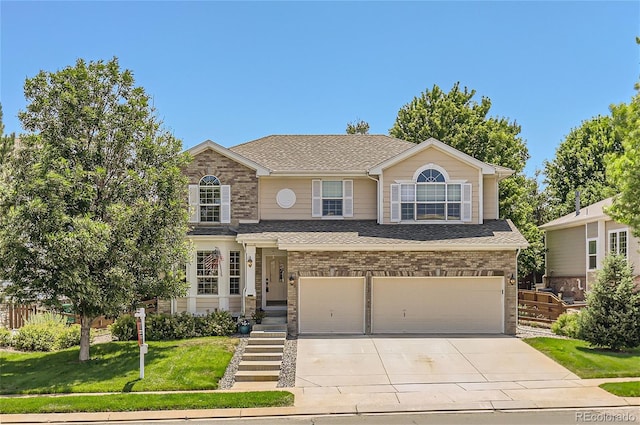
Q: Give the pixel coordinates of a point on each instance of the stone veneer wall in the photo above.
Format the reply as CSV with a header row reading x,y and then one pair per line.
x,y
258,268
400,263
243,181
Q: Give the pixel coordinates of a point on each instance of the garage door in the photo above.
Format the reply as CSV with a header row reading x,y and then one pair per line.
x,y
437,305
331,304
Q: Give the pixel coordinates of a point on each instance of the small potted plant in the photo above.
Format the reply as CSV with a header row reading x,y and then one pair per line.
x,y
258,315
244,326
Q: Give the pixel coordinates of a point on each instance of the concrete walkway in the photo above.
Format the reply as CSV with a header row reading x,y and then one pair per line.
x,y
392,374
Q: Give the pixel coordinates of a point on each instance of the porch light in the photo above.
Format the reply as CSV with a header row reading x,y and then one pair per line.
x,y
250,262
292,279
512,280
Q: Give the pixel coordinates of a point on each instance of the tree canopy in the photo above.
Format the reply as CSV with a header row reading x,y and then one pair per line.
x,y
92,206
458,120
580,165
624,169
7,141
358,127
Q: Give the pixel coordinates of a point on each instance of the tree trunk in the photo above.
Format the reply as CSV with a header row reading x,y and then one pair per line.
x,y
85,337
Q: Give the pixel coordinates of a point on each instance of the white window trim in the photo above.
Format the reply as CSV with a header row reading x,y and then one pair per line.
x,y
594,254
198,276
431,166
396,202
239,275
195,204
618,231
317,199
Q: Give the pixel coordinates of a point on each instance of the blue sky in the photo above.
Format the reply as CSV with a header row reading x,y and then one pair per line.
x,y
236,71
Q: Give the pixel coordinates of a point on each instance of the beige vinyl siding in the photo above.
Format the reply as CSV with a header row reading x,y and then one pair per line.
x,y
632,243
364,198
209,303
235,304
457,170
490,198
566,252
181,305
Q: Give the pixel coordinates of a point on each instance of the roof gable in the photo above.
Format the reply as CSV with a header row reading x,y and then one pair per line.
x,y
443,147
208,144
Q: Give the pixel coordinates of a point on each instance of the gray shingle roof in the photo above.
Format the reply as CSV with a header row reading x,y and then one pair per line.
x,y
351,233
588,214
322,153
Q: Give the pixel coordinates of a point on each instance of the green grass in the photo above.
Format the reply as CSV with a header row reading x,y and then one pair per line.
x,y
190,364
623,389
586,361
136,402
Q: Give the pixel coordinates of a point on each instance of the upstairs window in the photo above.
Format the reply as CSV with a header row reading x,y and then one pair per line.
x,y
332,198
431,197
209,201
618,242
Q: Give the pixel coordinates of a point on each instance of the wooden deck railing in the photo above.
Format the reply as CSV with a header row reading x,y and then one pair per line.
x,y
543,307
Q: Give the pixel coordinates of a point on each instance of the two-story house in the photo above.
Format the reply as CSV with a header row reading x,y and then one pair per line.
x,y
351,234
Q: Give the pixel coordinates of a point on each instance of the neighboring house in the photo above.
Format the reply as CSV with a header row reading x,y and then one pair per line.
x,y
351,234
576,245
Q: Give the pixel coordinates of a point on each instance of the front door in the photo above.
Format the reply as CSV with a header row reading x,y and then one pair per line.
x,y
276,280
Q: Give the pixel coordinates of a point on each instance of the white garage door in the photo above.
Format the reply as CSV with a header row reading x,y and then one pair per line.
x,y
331,304
437,305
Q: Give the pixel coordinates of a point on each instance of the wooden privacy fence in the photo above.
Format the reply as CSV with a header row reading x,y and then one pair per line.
x,y
543,307
17,315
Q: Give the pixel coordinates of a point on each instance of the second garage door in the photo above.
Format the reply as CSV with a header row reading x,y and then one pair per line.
x,y
437,305
331,304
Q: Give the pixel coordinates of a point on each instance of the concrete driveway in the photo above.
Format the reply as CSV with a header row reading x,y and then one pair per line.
x,y
405,361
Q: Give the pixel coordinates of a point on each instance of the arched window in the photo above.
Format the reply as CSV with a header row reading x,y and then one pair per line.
x,y
430,175
210,201
431,198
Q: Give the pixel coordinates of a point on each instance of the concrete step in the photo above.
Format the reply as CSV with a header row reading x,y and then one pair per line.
x,y
251,348
278,328
257,375
265,341
268,334
259,365
266,357
277,320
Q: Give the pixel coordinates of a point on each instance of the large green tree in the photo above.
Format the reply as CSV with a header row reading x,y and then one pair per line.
x,y
580,165
457,119
7,141
92,209
624,169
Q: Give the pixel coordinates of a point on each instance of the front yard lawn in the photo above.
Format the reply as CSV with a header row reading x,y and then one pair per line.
x,y
623,389
137,402
587,362
190,364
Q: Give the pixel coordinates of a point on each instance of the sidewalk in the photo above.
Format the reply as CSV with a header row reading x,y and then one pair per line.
x,y
513,395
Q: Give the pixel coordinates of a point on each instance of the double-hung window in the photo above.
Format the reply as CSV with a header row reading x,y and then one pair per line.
x,y
618,242
592,253
332,198
207,272
431,198
209,201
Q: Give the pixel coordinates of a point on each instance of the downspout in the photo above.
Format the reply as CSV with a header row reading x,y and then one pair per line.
x,y
378,197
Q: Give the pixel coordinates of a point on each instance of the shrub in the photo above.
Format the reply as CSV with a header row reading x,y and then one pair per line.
x,y
218,323
567,324
67,337
159,327
124,328
35,338
612,316
5,337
